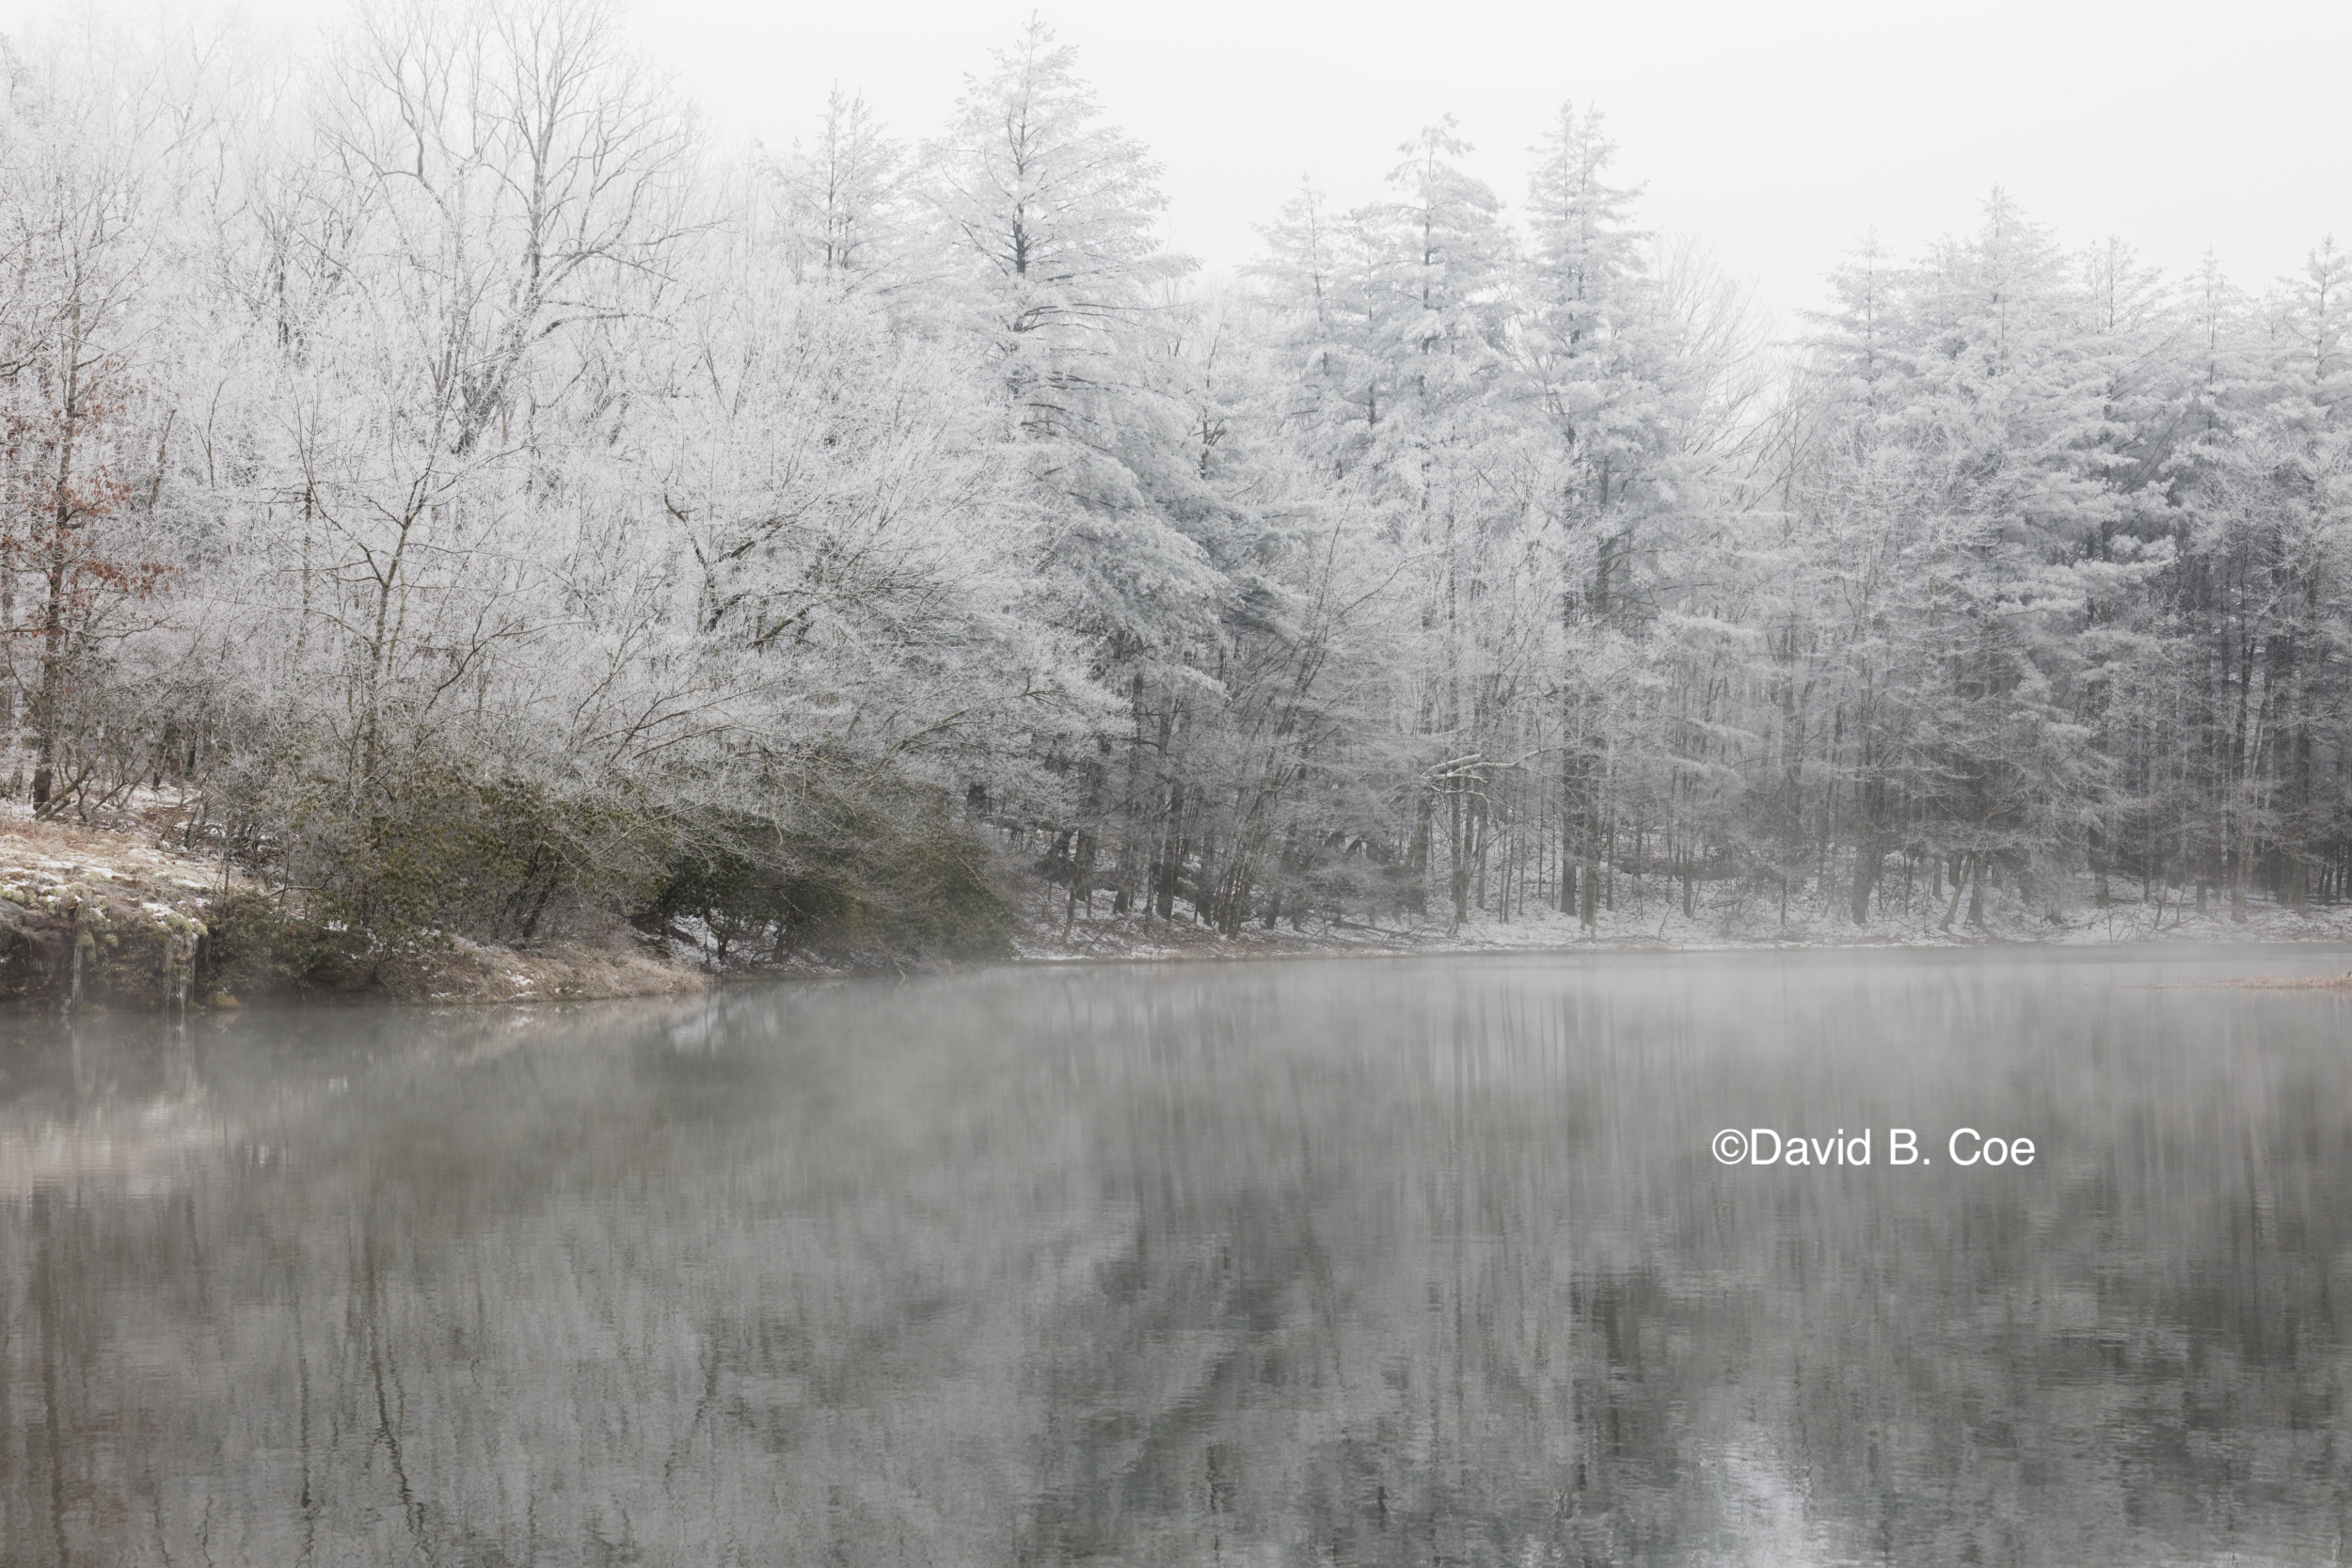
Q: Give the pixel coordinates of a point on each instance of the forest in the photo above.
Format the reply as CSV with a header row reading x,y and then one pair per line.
x,y
438,478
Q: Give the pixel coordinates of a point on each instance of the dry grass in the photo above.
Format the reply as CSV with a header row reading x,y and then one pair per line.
x,y
29,842
470,972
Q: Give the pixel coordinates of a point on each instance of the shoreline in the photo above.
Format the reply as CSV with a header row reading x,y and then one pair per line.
x,y
111,910
1556,951
678,979
1714,931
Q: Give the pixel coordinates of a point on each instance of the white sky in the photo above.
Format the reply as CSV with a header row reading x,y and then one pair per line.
x,y
1778,131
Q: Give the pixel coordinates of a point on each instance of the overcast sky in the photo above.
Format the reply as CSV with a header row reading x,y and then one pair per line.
x,y
1781,134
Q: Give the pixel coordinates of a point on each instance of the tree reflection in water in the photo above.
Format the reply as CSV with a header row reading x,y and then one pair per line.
x,y
1351,1262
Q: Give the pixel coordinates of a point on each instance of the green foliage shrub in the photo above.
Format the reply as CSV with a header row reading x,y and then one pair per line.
x,y
874,868
444,849
255,947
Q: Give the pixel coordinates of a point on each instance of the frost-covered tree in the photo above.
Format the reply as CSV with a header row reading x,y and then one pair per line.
x,y
843,212
1049,217
434,474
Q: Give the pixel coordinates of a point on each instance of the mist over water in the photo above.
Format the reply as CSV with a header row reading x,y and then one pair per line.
x,y
1335,1261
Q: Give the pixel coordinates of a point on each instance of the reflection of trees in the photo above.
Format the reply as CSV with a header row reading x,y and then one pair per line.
x,y
1336,1263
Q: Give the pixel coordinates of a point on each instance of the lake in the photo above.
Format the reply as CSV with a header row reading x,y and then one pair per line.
x,y
1321,1261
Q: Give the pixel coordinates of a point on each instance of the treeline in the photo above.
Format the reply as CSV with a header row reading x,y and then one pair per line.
x,y
487,506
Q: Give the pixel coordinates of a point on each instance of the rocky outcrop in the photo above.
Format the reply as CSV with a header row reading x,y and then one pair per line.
x,y
73,932
105,919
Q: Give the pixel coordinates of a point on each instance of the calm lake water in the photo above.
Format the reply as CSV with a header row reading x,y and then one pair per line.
x,y
1393,1261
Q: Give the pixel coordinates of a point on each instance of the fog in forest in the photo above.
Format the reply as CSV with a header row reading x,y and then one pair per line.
x,y
489,505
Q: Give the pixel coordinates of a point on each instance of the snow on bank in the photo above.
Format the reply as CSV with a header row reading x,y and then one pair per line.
x,y
97,917
141,883
1662,926
36,855
59,879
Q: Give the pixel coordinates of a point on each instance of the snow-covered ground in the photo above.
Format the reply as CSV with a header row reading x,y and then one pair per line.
x,y
130,872
1660,923
48,869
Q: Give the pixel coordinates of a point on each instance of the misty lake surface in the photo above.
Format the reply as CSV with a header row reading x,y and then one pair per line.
x,y
1347,1261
